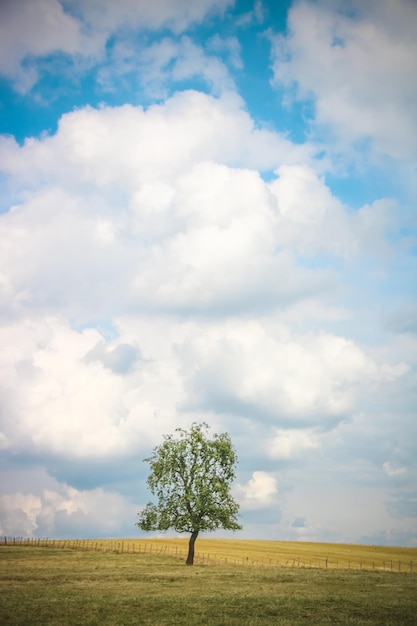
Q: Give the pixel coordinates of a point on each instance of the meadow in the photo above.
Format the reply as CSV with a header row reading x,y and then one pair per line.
x,y
252,553
114,583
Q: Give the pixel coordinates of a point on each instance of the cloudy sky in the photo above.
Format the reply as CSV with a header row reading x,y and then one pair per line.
x,y
208,212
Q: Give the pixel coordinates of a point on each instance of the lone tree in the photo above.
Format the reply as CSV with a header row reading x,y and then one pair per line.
x,y
191,476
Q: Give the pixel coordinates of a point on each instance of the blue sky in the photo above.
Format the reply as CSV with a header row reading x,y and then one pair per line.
x,y
208,213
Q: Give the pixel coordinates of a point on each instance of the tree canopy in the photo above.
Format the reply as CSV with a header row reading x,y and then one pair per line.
x,y
191,476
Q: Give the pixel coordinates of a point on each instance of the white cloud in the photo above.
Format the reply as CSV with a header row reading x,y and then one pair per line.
x,y
149,240
227,298
174,14
180,221
18,513
65,513
258,493
252,369
358,67
65,394
313,221
292,443
158,223
255,15
154,144
55,252
73,395
189,61
229,45
392,470
222,253
33,29
167,62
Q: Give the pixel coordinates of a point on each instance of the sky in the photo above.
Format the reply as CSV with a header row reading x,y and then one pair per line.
x,y
208,213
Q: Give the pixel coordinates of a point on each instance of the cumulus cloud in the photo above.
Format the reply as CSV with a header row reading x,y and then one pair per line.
x,y
247,368
357,66
393,470
120,359
314,222
292,443
158,143
182,262
68,513
30,29
259,492
168,61
172,14
75,395
152,229
255,15
180,221
18,514
63,394
34,29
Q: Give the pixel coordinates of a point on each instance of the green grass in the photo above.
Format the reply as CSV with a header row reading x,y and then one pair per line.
x,y
75,587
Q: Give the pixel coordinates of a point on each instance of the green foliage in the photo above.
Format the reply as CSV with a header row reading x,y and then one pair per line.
x,y
191,476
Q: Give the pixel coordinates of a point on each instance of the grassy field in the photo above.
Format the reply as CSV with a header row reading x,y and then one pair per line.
x,y
274,553
288,554
62,586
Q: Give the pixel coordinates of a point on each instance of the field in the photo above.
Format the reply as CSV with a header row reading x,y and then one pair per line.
x,y
248,553
97,583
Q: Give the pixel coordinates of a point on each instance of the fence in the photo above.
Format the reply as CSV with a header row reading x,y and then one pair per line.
x,y
136,547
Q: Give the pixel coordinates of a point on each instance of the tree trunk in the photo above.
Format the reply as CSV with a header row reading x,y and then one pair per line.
x,y
190,557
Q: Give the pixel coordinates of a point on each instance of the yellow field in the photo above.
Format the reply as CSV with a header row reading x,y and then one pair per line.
x,y
263,553
294,554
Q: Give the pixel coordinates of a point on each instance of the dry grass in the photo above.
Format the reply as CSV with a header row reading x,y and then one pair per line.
x,y
51,586
293,553
258,553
